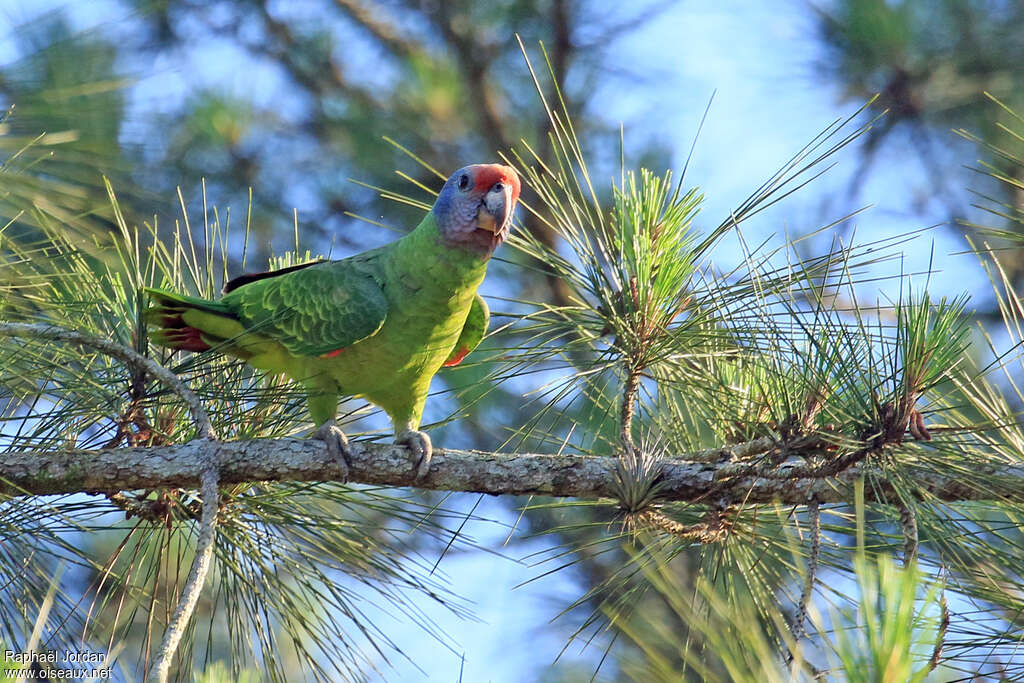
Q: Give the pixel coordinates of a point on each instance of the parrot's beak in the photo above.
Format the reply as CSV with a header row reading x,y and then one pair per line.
x,y
485,219
494,211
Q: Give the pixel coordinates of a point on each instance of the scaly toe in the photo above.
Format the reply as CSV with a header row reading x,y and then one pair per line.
x,y
337,445
419,443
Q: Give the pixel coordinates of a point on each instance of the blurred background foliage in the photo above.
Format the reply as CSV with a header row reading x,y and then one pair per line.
x,y
937,66
135,91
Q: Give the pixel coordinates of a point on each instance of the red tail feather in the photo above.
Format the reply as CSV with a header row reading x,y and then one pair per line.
x,y
186,339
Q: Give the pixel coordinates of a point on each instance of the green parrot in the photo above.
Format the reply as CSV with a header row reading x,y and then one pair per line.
x,y
377,325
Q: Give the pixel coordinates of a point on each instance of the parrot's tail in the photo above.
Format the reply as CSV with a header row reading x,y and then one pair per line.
x,y
168,327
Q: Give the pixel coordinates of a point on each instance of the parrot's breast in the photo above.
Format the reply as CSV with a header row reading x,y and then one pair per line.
x,y
429,300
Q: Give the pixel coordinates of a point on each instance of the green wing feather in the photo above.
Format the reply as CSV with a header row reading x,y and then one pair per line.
x,y
472,332
309,311
315,310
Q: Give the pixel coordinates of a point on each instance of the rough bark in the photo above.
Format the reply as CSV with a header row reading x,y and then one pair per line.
x,y
686,478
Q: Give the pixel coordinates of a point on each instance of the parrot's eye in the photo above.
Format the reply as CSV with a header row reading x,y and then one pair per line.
x,y
464,181
498,187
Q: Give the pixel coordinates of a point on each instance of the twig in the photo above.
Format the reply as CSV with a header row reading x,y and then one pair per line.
x,y
639,470
194,583
908,520
940,637
713,529
627,409
207,468
814,520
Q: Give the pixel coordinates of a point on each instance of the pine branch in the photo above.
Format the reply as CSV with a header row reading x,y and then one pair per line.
x,y
206,467
683,478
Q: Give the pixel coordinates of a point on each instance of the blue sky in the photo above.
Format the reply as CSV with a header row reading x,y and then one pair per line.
x,y
765,67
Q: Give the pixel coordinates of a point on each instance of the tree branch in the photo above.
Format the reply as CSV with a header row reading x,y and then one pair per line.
x,y
205,466
685,478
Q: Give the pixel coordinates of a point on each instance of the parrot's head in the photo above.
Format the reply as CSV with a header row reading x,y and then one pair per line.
x,y
474,209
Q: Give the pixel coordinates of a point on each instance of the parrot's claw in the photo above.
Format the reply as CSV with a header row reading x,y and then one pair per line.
x,y
419,443
337,445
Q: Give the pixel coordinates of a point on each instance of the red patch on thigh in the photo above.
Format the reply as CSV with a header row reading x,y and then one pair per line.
x,y
457,358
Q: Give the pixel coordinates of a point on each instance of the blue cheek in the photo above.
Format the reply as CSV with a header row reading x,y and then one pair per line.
x,y
443,205
454,216
468,214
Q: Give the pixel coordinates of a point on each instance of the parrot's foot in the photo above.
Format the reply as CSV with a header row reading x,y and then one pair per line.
x,y
337,445
419,443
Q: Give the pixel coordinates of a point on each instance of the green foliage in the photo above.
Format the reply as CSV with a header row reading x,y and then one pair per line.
x,y
932,62
1006,173
934,66
890,630
890,634
219,673
722,640
776,347
334,78
298,569
707,357
64,110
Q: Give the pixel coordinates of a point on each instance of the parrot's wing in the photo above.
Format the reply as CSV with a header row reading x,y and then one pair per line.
x,y
472,332
316,310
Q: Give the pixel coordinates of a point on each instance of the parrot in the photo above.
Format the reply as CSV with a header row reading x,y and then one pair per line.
x,y
378,325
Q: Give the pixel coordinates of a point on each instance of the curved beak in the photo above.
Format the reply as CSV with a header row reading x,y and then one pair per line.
x,y
495,211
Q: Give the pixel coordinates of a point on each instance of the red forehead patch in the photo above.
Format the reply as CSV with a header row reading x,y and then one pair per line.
x,y
488,174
